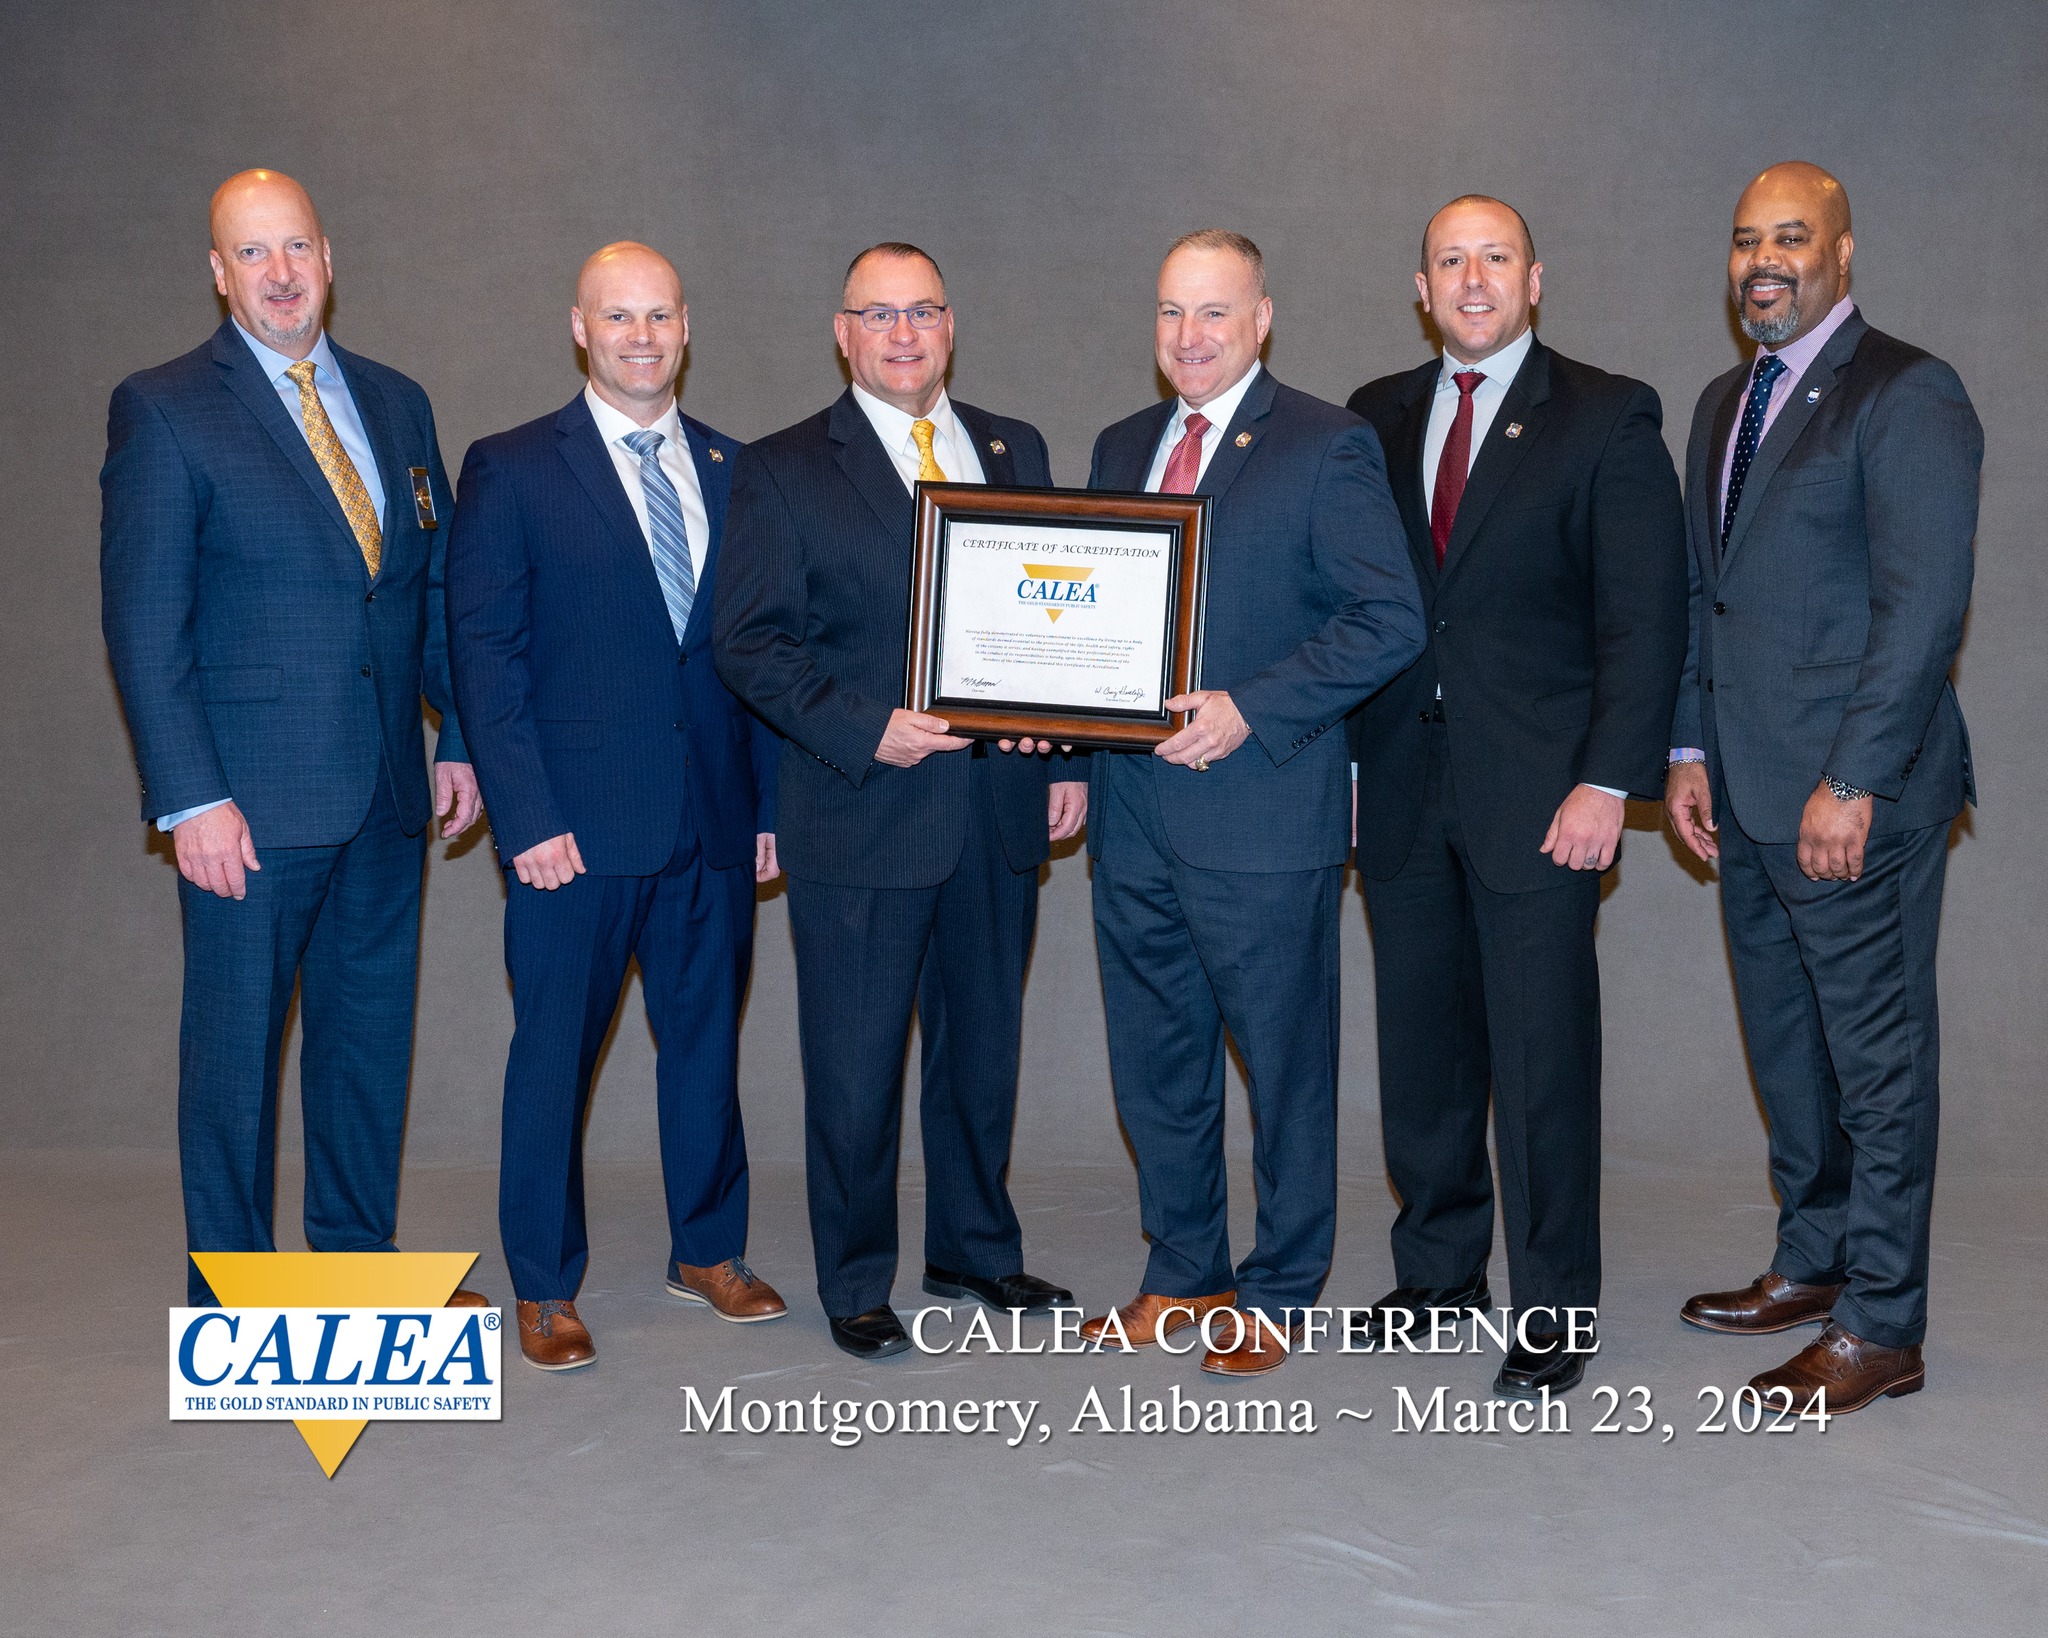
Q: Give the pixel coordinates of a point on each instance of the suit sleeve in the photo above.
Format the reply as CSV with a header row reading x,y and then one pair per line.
x,y
1922,450
767,747
1639,602
490,624
1360,548
435,682
149,594
760,627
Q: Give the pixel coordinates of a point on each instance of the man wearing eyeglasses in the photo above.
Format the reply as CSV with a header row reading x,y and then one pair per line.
x,y
912,853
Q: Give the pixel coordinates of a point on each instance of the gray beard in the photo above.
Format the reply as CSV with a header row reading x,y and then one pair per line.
x,y
1778,328
282,338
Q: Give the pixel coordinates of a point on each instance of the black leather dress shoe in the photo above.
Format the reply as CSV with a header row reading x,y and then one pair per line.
x,y
1473,1297
1025,1291
1526,1372
873,1335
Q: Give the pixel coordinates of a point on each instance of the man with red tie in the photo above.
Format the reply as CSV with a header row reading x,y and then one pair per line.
x,y
1545,527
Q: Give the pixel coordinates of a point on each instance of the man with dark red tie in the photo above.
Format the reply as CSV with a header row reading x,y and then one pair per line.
x,y
1544,522
1218,856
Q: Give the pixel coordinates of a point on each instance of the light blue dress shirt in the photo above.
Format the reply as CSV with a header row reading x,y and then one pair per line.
x,y
340,405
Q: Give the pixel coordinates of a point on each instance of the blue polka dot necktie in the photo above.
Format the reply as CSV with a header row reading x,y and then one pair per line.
x,y
1769,366
665,525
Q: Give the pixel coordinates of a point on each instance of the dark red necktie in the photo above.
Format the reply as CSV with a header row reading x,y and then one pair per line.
x,y
1185,463
1451,466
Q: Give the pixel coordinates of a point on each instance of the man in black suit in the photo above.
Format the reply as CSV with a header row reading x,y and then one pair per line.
x,y
1544,522
1832,501
1218,856
910,852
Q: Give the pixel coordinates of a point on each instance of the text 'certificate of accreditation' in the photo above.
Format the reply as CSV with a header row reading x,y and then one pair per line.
x,y
1037,614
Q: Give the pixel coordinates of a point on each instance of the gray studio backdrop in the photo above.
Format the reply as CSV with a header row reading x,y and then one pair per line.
x,y
467,155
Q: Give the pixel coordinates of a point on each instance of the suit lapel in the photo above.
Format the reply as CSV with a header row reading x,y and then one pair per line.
x,y
1806,395
998,461
584,452
1240,438
1129,462
714,483
1500,453
868,468
246,380
1706,486
1404,470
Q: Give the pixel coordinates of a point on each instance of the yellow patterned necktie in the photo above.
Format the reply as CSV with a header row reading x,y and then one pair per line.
x,y
341,471
928,468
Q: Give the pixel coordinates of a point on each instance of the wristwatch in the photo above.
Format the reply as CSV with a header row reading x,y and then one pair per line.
x,y
1843,793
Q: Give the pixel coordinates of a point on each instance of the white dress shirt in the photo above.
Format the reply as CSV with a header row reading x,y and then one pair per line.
x,y
1500,370
674,456
952,448
1219,411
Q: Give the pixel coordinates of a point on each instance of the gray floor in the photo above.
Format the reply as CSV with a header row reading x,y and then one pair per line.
x,y
587,1510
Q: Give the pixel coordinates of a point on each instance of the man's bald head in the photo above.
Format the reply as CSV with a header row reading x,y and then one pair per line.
x,y
631,323
626,262
1788,259
270,259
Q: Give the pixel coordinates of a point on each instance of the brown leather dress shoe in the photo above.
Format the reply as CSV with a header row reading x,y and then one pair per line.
x,y
1770,1302
553,1338
1852,1371
1141,1318
730,1289
1255,1351
465,1298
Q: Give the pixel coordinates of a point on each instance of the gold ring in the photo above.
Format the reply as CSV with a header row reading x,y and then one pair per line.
x,y
1202,766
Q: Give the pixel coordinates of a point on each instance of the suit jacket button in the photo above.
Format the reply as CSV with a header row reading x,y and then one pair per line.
x,y
1422,716
369,597
1441,624
366,671
1720,608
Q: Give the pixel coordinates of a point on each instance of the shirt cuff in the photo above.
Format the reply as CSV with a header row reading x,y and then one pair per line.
x,y
1608,790
1685,753
171,821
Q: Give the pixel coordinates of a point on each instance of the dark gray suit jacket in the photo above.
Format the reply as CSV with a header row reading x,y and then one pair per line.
x,y
1820,641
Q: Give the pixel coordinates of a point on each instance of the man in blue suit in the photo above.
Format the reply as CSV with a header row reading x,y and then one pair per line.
x,y
632,798
270,566
913,858
1218,857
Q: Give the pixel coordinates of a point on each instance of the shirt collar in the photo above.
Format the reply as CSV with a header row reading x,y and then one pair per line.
x,y
1501,367
1799,354
1220,410
893,425
612,424
276,363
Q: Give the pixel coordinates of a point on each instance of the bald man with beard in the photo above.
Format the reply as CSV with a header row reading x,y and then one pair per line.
x,y
270,574
1819,754
632,797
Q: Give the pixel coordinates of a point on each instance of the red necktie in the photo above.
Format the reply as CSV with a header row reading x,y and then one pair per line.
x,y
1451,466
1185,462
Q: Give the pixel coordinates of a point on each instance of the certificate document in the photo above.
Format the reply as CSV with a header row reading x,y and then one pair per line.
x,y
1062,614
1035,614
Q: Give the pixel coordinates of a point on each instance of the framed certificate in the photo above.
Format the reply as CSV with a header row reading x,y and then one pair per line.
x,y
1065,614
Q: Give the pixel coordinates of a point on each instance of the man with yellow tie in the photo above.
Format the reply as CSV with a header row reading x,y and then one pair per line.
x,y
912,853
270,562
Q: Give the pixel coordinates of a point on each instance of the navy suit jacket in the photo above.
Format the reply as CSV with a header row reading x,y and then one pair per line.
x,y
812,623
584,713
1557,624
255,657
1821,639
1311,607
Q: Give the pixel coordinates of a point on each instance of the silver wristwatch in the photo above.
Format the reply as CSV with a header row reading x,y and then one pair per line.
x,y
1843,793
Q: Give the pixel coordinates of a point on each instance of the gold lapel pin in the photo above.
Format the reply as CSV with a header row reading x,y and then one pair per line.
x,y
718,454
995,447
1514,429
1244,440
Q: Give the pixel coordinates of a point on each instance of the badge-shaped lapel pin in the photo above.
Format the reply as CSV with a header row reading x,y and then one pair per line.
x,y
1514,430
1813,395
718,455
995,447
1244,440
